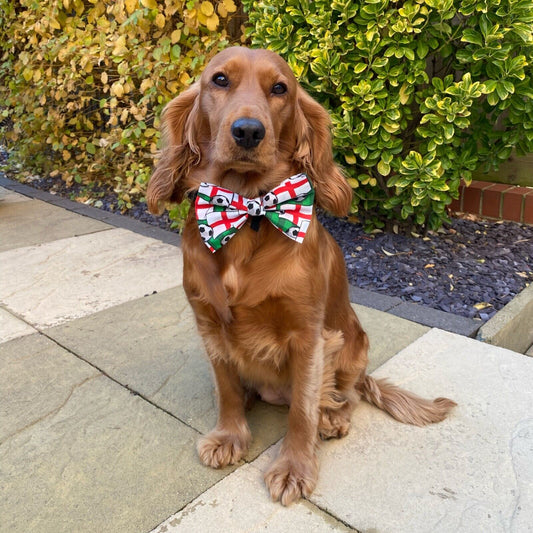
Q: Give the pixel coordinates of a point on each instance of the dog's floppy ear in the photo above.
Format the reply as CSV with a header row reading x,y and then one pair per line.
x,y
314,153
180,152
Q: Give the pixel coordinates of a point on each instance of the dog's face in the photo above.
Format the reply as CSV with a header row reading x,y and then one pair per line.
x,y
248,98
247,125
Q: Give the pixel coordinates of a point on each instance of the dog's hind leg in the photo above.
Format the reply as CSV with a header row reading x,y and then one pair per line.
x,y
343,371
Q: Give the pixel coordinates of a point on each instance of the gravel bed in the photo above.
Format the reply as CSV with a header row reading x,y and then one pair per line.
x,y
470,268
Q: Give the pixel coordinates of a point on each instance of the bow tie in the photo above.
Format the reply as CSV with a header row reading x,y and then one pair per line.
x,y
220,212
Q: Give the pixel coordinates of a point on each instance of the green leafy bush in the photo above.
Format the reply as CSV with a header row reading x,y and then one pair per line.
x,y
84,81
421,92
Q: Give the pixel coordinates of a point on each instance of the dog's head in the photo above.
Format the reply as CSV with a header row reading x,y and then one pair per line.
x,y
249,124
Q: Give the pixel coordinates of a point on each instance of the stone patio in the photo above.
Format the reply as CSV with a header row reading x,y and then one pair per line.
x,y
104,390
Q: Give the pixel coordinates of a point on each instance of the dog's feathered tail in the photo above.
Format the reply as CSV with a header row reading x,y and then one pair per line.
x,y
403,405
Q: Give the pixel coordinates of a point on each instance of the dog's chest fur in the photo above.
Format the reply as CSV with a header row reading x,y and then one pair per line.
x,y
270,294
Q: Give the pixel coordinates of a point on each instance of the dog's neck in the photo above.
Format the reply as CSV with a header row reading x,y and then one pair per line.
x,y
250,184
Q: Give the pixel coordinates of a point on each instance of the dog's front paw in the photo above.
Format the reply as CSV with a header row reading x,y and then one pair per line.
x,y
288,480
221,448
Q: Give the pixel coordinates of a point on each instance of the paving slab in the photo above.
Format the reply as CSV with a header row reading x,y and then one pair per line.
x,y
7,196
12,327
240,503
74,277
114,219
31,222
151,345
81,453
388,334
472,472
36,378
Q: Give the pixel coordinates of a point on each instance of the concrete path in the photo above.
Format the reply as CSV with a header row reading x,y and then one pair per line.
x,y
104,390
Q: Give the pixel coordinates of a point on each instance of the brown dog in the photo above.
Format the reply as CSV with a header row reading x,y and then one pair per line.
x,y
274,314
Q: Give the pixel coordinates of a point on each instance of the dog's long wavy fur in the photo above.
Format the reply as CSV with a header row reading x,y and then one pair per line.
x,y
274,315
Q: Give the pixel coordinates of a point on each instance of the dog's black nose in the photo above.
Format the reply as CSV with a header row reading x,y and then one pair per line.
x,y
248,132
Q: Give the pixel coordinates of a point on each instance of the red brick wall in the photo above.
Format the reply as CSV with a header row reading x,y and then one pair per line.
x,y
495,200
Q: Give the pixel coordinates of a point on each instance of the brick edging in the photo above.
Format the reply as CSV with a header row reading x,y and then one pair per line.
x,y
495,200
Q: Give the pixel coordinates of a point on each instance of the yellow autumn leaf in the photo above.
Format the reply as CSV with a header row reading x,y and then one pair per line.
x,y
131,5
353,183
482,305
201,18
117,89
184,78
212,22
207,8
139,114
230,6
37,76
175,36
222,11
173,86
160,20
150,4
123,68
66,155
53,23
120,46
146,84
27,74
62,54
104,78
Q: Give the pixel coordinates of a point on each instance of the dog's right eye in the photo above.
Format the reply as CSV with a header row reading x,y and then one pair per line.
x,y
220,79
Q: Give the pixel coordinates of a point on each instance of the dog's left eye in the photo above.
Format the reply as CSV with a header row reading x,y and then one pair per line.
x,y
279,88
220,79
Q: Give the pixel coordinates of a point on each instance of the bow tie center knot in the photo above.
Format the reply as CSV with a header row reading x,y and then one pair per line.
x,y
254,207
